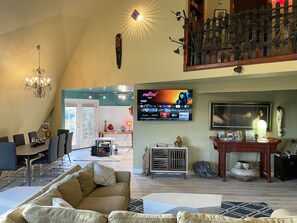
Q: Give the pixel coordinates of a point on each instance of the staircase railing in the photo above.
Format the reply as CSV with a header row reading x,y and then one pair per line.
x,y
249,37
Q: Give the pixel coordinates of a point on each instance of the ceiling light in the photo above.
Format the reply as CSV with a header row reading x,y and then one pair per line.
x,y
136,15
38,84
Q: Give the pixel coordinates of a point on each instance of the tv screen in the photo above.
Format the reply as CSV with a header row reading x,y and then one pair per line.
x,y
172,105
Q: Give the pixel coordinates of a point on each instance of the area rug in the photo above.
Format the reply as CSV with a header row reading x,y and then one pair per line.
x,y
99,159
228,208
84,155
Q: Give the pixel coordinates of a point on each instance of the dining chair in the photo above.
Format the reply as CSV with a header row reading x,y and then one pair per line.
x,y
61,147
8,159
62,131
4,139
32,135
19,139
51,157
68,144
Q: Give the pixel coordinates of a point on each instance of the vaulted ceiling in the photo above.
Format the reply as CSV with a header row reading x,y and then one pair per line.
x,y
58,26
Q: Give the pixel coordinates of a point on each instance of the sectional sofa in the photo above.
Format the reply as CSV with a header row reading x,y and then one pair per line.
x,y
90,195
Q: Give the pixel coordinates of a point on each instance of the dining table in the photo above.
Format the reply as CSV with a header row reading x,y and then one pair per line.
x,y
28,151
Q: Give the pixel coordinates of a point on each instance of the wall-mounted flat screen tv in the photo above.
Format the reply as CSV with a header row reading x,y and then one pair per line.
x,y
171,105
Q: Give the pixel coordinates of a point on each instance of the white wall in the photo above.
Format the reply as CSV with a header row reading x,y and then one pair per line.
x,y
117,116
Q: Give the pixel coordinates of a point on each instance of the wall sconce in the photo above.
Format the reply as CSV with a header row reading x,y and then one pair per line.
x,y
136,15
262,128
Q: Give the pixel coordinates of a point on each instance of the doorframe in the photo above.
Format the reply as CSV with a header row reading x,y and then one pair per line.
x,y
78,101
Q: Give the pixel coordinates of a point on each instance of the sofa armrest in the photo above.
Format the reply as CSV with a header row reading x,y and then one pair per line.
x,y
123,176
280,213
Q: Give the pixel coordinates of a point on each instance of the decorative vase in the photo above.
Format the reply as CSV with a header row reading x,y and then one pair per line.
x,y
122,128
110,127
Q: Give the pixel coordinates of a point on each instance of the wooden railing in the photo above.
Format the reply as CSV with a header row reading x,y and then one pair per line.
x,y
249,37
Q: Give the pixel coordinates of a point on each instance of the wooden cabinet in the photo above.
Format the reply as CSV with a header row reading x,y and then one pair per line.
x,y
285,167
169,160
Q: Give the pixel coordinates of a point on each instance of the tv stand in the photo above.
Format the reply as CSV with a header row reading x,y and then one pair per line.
x,y
169,160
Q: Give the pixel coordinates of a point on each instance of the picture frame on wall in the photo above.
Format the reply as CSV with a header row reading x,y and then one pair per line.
x,y
219,13
239,115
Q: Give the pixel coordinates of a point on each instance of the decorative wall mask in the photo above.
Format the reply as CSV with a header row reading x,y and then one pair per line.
x,y
279,117
118,48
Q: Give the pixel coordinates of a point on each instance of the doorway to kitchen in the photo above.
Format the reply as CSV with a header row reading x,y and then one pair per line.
x,y
81,118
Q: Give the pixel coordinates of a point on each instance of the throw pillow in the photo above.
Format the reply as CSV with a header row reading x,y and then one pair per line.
x,y
46,198
70,190
59,202
49,214
86,180
104,175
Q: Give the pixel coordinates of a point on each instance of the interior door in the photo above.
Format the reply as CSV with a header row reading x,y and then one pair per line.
x,y
81,117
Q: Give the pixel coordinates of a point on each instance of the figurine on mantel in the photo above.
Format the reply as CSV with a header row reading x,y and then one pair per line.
x,y
105,126
178,142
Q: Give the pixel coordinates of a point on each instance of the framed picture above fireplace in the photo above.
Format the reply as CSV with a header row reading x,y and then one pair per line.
x,y
239,115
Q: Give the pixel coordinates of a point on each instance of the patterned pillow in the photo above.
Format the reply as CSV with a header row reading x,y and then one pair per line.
x,y
59,202
104,175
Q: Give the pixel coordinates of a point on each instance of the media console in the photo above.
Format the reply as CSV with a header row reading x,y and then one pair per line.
x,y
169,160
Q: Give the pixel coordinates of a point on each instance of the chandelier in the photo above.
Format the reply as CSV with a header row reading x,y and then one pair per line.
x,y
38,84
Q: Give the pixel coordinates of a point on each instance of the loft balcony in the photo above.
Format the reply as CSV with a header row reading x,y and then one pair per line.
x,y
249,37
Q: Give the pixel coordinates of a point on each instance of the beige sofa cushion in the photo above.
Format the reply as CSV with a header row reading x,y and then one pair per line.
x,y
46,198
291,219
104,175
49,214
43,199
188,217
62,176
102,205
131,217
70,189
86,180
119,189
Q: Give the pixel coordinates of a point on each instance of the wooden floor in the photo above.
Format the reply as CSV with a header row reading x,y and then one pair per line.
x,y
277,194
